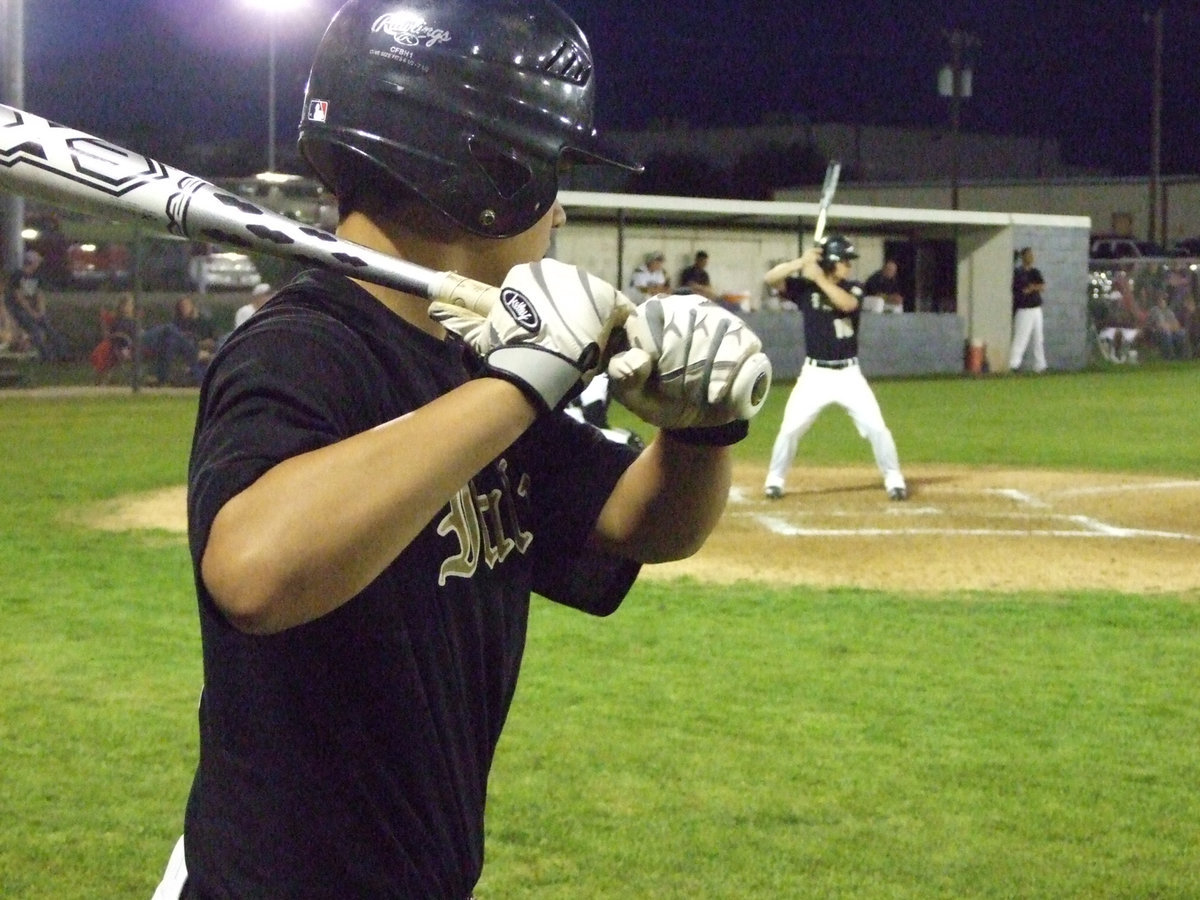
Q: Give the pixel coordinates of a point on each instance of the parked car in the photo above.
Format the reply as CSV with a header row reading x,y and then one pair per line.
x,y
223,271
90,266
1189,246
1125,248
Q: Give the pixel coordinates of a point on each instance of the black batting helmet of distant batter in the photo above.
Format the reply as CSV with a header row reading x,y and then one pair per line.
x,y
471,106
836,248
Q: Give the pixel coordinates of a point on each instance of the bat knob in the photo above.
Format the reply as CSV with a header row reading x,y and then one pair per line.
x,y
758,392
751,385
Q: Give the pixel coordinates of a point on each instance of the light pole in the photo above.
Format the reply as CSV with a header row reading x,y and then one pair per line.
x,y
271,91
954,81
12,92
1156,22
272,9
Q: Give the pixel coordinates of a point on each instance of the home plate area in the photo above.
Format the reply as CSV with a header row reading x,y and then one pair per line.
x,y
961,529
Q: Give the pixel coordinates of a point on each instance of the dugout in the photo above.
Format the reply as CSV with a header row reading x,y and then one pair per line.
x,y
958,263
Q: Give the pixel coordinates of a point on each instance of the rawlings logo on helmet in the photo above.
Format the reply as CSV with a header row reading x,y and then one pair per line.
x,y
521,310
410,31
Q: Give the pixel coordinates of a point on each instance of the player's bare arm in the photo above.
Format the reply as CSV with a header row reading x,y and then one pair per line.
x,y
667,502
317,528
777,275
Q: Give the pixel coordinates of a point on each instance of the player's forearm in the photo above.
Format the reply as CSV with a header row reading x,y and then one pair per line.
x,y
317,528
836,294
777,275
667,503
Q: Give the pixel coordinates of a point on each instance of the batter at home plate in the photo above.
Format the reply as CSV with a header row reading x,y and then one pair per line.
x,y
819,283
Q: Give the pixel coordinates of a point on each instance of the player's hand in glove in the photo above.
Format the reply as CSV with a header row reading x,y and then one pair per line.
x,y
690,364
547,333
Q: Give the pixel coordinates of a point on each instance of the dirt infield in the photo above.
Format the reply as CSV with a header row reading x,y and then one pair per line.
x,y
962,528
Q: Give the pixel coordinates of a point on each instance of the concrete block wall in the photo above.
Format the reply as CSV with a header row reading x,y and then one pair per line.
x,y
1061,256
909,344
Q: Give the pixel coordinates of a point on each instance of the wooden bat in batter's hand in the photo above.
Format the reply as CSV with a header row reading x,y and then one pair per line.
x,y
832,173
70,168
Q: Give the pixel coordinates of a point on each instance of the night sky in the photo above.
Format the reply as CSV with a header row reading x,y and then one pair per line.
x,y
1078,71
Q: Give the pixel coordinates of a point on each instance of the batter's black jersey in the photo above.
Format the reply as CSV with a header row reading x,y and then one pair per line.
x,y
829,333
349,756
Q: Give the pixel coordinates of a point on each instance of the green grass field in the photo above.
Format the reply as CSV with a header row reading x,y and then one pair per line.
x,y
745,741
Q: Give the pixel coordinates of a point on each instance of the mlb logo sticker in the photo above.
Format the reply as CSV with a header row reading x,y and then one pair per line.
x,y
318,110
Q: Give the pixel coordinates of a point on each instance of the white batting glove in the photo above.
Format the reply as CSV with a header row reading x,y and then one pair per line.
x,y
685,354
547,333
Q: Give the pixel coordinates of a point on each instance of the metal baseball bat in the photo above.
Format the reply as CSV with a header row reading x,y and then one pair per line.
x,y
832,173
71,168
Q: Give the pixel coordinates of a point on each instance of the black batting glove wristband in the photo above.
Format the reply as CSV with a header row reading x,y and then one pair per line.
x,y
713,435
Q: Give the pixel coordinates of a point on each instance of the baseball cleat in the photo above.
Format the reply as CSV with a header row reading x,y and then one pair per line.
x,y
773,493
898,493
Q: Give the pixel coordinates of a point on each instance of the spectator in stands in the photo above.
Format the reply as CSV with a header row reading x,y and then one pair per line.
x,y
12,338
649,279
1191,324
1172,337
118,334
26,304
695,278
1179,286
188,337
884,284
258,297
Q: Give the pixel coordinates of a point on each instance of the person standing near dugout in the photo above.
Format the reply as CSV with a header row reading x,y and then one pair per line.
x,y
378,483
1027,287
818,283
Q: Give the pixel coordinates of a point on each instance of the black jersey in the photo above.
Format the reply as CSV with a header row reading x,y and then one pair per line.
x,y
349,756
1022,278
829,333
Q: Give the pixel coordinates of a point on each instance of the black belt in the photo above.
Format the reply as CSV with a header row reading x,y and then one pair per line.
x,y
833,363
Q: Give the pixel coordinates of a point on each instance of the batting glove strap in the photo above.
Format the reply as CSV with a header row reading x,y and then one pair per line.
x,y
712,436
549,380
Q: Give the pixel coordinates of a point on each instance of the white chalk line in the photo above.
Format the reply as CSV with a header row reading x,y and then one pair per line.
x,y
1126,488
1086,526
1018,496
1089,528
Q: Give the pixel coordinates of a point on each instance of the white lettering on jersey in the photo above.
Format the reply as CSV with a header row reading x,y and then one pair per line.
x,y
487,526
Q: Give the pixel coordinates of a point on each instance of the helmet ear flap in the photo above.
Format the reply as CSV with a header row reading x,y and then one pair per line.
x,y
507,174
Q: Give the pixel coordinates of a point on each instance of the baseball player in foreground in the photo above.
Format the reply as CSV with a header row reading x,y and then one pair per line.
x,y
378,484
819,283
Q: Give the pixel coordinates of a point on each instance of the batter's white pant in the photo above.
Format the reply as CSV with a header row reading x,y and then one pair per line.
x,y
596,391
817,388
174,877
1027,330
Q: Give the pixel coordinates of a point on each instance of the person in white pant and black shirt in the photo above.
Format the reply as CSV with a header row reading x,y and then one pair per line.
x,y
818,282
1027,287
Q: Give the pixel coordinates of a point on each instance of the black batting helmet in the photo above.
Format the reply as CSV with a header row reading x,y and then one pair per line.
x,y
471,106
836,248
